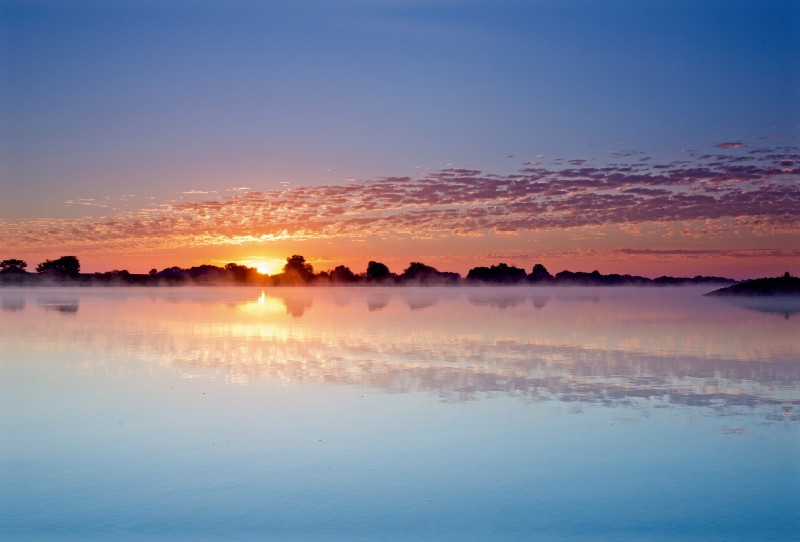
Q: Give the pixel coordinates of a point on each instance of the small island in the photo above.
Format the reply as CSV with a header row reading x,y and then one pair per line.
x,y
785,285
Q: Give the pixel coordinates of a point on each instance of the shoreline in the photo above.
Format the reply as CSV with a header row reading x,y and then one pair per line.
x,y
35,281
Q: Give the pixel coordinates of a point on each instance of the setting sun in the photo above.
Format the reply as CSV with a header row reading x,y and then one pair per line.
x,y
265,267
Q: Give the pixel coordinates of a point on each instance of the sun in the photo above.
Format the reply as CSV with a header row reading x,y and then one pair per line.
x,y
265,266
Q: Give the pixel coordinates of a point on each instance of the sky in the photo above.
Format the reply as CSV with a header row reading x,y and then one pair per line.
x,y
649,138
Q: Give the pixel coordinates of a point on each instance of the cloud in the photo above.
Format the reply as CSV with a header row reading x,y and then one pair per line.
x,y
729,145
758,194
704,253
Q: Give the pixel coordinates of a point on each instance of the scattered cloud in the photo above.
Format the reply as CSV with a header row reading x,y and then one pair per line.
x,y
647,254
759,194
625,154
705,253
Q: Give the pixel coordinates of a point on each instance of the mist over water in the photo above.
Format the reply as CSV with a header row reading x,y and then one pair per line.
x,y
398,413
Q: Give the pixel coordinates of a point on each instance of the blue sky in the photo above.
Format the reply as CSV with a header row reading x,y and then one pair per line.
x,y
145,134
155,98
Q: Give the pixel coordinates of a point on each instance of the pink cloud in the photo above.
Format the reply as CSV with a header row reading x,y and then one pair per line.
x,y
730,145
759,194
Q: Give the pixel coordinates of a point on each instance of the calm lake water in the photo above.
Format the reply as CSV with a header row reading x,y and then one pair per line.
x,y
397,414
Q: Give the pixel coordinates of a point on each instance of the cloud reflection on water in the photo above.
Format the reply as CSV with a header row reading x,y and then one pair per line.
x,y
576,346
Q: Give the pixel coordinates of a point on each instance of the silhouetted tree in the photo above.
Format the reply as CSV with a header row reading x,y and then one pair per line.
x,y
240,273
173,271
539,273
377,271
595,278
13,266
501,273
205,273
65,265
342,274
153,272
297,265
417,271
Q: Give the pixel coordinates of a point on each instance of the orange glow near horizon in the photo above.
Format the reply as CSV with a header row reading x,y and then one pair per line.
x,y
699,219
456,254
265,267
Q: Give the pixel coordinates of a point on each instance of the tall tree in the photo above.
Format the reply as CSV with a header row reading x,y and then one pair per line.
x,y
297,264
377,271
539,273
65,265
342,274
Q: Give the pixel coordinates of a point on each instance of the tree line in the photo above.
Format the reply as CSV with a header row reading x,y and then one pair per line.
x,y
65,266
297,271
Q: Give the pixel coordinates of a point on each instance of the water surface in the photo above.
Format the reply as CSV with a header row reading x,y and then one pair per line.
x,y
397,414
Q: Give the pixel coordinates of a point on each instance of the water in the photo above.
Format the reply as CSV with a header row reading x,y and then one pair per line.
x,y
397,414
